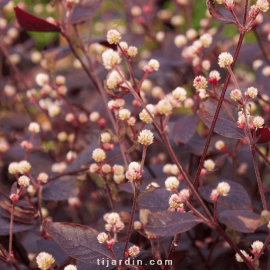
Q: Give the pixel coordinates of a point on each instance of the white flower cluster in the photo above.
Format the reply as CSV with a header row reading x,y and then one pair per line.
x,y
114,222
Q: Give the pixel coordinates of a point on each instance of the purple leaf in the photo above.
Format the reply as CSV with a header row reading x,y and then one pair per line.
x,y
60,189
20,214
216,14
32,23
223,126
237,198
240,220
185,128
165,223
78,241
85,10
17,226
155,200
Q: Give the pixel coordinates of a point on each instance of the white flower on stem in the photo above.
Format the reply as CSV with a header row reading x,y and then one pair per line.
x,y
171,183
119,226
229,4
154,64
174,169
113,218
257,64
59,167
24,166
258,122
175,201
184,194
23,181
34,127
110,59
134,166
180,41
43,177
256,247
202,93
42,79
236,94
119,103
253,12
124,114
105,137
118,169
123,45
200,82
189,103
71,155
132,51
266,71
214,77
60,80
106,168
214,195
62,136
14,168
219,145
114,79
10,90
209,164
239,258
262,5
164,107
137,225
191,34
93,168
119,178
54,110
45,260
225,59
179,93
206,64
167,168
223,188
206,40
134,251
251,92
102,238
113,36
98,155
146,137
31,190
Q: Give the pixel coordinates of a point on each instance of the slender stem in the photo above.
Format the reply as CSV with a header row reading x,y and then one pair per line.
x,y
240,41
245,13
259,180
235,18
11,229
143,158
232,244
174,244
131,218
196,212
109,194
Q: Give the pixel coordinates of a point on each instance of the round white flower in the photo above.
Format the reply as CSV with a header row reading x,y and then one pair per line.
x,y
124,114
42,79
24,166
98,155
179,93
223,188
180,41
225,59
113,36
70,266
45,260
154,64
23,181
251,92
102,238
209,164
110,59
258,122
14,168
113,218
171,183
146,137
206,40
34,127
236,94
